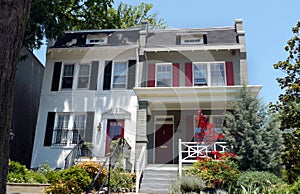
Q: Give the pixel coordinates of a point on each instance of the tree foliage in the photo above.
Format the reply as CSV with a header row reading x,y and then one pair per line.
x,y
253,134
288,105
51,18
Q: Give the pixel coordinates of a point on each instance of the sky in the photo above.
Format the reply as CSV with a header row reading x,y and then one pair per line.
x,y
267,24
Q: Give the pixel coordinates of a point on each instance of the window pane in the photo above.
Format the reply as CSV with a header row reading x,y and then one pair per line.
x,y
68,70
67,79
120,75
78,128
163,76
84,70
217,74
200,74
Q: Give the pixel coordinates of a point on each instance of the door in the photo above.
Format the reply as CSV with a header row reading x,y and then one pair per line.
x,y
115,131
164,141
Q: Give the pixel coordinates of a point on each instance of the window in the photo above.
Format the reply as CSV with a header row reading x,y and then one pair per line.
x,y
97,39
163,75
68,76
217,121
119,75
83,76
192,39
209,74
200,74
69,129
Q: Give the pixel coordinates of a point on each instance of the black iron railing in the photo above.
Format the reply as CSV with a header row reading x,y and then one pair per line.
x,y
112,160
63,137
73,155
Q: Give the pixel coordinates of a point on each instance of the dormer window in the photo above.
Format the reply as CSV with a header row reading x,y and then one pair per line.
x,y
97,39
190,38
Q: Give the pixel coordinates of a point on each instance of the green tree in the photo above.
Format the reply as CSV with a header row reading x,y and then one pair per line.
x,y
288,106
13,19
253,134
50,18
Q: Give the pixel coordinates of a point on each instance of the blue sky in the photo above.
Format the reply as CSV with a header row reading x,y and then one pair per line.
x,y
267,24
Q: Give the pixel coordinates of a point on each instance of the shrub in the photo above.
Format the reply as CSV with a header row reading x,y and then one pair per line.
x,y
72,180
121,180
92,168
65,187
18,173
262,182
216,173
187,184
295,187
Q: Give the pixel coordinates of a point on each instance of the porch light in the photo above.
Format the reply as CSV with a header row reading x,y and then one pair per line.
x,y
11,135
99,126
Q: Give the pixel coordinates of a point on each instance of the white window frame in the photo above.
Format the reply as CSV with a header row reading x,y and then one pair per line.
x,y
113,75
209,72
80,76
97,39
156,72
63,76
70,130
192,39
76,76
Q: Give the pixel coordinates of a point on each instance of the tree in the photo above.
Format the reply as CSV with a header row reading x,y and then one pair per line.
x,y
288,106
51,19
253,134
13,19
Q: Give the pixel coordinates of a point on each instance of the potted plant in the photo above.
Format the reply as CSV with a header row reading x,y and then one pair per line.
x,y
86,149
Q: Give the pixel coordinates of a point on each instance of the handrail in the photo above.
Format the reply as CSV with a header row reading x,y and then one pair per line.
x,y
112,158
96,177
140,167
190,152
69,160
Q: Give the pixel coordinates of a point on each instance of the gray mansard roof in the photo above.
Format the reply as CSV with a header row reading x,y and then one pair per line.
x,y
161,37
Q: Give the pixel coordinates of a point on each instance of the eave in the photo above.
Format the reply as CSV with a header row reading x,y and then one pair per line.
x,y
210,97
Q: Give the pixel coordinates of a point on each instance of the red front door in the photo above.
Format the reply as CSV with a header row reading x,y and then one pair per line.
x,y
164,144
115,130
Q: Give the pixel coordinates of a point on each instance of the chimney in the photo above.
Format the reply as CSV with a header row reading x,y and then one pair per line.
x,y
143,33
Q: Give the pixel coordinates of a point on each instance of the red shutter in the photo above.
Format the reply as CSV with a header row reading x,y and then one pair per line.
x,y
229,73
189,128
151,75
188,74
175,75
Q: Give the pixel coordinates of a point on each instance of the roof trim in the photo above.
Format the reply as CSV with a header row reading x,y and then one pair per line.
x,y
193,48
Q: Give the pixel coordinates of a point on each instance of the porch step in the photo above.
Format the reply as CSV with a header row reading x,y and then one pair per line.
x,y
157,178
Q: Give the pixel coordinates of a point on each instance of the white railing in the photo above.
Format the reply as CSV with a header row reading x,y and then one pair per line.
x,y
190,152
140,167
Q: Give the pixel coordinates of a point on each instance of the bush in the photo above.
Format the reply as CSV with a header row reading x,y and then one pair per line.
x,y
18,173
216,173
187,184
92,168
65,187
261,182
295,187
121,180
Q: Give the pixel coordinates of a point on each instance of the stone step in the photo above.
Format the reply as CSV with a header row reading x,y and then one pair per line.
x,y
157,178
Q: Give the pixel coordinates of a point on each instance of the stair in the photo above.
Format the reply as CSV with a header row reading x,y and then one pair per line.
x,y
157,178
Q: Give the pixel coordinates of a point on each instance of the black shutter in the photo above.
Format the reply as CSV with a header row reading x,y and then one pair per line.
x,y
49,129
89,127
94,75
56,76
131,74
107,75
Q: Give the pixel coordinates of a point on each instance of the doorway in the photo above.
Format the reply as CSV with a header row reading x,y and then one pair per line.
x,y
164,126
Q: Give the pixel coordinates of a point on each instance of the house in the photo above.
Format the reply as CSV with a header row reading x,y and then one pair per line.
x,y
141,84
28,85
